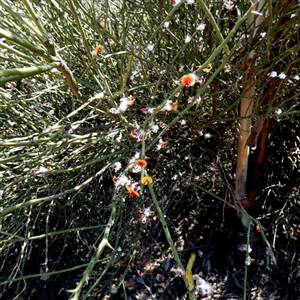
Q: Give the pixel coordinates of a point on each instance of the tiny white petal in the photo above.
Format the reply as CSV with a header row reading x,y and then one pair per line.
x,y
188,38
281,75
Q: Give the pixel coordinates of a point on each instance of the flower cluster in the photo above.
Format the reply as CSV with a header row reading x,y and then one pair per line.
x,y
274,74
145,215
124,104
10,85
248,249
170,106
41,169
161,144
147,110
189,80
131,187
135,165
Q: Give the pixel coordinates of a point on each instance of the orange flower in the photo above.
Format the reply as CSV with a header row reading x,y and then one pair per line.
x,y
98,49
189,79
141,163
146,180
132,192
174,105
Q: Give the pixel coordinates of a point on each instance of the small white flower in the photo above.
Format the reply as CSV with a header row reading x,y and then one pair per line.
x,y
161,144
123,106
168,105
183,122
7,96
51,112
198,100
166,25
244,247
117,166
147,110
228,4
297,77
114,110
154,128
188,38
190,1
137,155
122,180
202,287
273,74
263,34
150,47
278,111
227,68
248,260
175,2
111,41
190,99
48,104
281,75
207,136
243,37
201,27
97,96
41,169
10,85
136,168
119,138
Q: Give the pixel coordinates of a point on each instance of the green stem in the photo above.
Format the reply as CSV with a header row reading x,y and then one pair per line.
x,y
10,209
214,24
24,44
28,71
23,20
34,17
127,73
246,265
103,244
167,18
223,45
169,238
